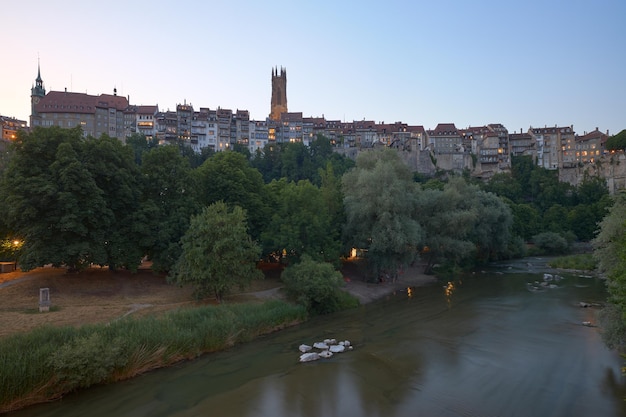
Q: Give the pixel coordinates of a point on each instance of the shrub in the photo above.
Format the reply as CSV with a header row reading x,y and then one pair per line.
x,y
87,360
583,261
551,243
316,285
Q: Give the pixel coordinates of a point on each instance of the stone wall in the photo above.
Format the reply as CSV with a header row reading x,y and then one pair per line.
x,y
612,168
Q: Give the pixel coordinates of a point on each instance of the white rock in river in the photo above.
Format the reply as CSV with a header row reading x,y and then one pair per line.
x,y
325,354
337,348
330,341
308,357
320,345
304,348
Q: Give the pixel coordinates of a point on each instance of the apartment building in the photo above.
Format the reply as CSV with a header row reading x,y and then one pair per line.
x,y
554,146
590,146
10,126
445,139
141,120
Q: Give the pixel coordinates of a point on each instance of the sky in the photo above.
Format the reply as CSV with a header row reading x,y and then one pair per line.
x,y
519,63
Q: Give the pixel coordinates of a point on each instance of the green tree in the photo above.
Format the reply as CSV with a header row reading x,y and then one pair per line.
x,y
526,220
228,177
53,201
316,285
616,142
505,185
380,201
268,161
139,144
610,252
296,162
115,172
301,223
446,223
555,219
218,254
168,202
551,243
492,231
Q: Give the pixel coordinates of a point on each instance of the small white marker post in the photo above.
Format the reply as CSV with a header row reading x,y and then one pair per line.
x,y
44,299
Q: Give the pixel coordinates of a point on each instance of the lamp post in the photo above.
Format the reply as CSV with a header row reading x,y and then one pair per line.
x,y
16,246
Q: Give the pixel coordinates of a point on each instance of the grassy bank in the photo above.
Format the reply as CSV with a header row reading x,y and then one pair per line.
x,y
52,361
579,262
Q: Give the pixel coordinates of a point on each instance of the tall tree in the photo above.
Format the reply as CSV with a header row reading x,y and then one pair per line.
x,y
218,254
380,200
228,177
447,224
296,162
168,201
54,202
301,223
610,252
115,172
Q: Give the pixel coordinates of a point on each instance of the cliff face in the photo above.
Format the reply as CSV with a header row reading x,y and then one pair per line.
x,y
611,167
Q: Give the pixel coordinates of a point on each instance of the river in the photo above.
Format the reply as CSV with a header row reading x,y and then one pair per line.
x,y
484,345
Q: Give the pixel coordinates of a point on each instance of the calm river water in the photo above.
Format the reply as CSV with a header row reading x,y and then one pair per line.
x,y
481,346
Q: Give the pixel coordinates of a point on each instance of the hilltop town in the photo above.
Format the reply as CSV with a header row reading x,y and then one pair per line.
x,y
482,150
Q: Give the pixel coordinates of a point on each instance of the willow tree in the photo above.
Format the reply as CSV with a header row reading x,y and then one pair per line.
x,y
380,201
610,252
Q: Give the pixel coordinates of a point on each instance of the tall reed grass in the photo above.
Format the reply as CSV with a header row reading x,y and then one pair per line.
x,y
51,361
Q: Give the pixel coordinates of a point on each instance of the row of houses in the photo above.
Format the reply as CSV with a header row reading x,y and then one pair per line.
x,y
491,145
484,150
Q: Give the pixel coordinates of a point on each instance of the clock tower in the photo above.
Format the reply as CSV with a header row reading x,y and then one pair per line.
x,y
37,92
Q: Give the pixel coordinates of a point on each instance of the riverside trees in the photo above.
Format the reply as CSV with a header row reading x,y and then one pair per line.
x,y
217,252
610,252
66,202
394,220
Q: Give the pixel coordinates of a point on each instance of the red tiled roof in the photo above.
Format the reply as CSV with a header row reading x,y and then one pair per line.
x,y
595,135
148,109
291,117
64,102
444,129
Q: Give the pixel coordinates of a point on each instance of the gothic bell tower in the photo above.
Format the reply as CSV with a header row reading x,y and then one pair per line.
x,y
279,93
37,92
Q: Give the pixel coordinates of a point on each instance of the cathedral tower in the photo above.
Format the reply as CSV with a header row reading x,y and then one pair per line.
x,y
279,93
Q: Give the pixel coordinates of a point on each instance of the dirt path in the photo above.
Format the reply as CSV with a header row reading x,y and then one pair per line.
x,y
98,295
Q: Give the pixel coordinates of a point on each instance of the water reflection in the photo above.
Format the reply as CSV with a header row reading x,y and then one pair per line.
x,y
487,347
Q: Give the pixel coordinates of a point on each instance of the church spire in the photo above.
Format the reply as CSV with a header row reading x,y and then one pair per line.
x,y
38,90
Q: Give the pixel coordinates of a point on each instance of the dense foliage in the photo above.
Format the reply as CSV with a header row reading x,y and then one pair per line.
x,y
610,252
316,285
77,201
217,252
541,203
617,142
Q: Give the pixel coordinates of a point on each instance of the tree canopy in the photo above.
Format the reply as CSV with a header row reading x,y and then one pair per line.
x,y
217,252
65,198
380,200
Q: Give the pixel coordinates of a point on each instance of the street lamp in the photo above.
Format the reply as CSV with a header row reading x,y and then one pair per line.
x,y
16,246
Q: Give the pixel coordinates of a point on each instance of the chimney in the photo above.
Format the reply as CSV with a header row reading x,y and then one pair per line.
x,y
114,91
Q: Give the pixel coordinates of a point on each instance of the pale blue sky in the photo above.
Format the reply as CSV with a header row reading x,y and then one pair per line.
x,y
523,63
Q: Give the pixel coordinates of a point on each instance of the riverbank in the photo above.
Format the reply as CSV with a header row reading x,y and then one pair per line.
x,y
367,292
42,353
